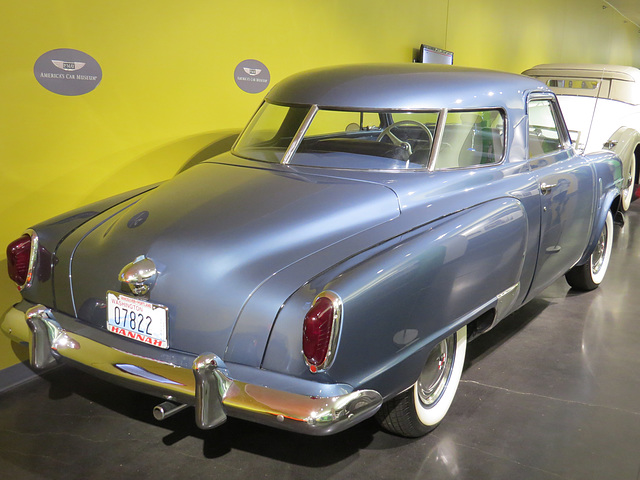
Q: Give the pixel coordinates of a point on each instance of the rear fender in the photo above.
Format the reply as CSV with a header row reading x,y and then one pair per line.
x,y
610,201
609,174
412,292
52,232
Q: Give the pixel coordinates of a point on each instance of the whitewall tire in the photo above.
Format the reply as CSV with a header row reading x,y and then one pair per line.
x,y
421,408
591,274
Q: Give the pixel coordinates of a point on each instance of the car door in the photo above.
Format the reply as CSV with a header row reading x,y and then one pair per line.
x,y
566,187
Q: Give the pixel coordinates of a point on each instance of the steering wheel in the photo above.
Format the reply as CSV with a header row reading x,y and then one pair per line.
x,y
395,140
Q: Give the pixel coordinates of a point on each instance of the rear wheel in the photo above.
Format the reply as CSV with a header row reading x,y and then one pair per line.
x,y
588,276
420,409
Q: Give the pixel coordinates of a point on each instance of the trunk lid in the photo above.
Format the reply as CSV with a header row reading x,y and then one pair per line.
x,y
216,233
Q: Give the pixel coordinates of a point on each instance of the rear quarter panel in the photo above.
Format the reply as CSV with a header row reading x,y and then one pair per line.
x,y
403,297
608,167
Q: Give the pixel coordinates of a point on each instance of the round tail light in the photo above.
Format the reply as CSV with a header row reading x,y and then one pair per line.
x,y
320,330
19,259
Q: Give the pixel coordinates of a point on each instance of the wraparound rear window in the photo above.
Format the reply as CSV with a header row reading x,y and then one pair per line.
x,y
376,140
341,138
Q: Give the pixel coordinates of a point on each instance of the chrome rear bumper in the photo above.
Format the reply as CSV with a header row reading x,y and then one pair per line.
x,y
208,385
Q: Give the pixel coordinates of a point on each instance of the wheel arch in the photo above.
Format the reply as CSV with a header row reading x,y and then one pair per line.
x,y
611,202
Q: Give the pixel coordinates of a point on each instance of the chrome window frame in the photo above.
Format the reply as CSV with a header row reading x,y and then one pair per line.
x,y
297,138
561,126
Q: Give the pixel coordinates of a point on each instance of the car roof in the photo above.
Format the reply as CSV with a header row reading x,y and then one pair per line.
x,y
595,70
405,87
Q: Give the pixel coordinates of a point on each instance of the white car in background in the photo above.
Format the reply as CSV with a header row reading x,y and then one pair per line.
x,y
601,105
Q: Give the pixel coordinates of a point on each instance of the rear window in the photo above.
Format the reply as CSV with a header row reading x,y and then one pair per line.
x,y
350,139
384,139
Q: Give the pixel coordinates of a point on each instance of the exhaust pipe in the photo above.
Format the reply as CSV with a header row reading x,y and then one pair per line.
x,y
166,409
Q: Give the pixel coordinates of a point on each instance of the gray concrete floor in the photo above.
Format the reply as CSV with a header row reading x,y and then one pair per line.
x,y
551,393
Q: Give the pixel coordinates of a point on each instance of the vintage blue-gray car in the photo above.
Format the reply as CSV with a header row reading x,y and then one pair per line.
x,y
368,222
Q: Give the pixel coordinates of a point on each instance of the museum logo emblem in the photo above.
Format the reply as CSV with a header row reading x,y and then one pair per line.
x,y
252,76
68,66
66,71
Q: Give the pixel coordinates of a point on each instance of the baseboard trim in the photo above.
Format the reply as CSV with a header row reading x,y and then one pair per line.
x,y
16,375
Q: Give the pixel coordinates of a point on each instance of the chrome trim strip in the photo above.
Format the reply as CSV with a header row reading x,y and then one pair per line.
x,y
297,138
208,385
137,371
505,301
33,257
435,149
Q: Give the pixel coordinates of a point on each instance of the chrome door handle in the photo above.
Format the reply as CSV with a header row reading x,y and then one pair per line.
x,y
547,187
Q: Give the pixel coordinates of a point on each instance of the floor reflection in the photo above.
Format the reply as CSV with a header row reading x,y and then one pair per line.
x,y
550,393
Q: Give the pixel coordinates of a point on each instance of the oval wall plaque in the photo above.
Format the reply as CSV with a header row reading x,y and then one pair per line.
x,y
66,71
252,76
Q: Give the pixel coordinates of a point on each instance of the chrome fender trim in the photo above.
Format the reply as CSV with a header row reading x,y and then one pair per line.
x,y
505,301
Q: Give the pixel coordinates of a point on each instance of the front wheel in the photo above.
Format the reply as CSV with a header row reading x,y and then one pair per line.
x,y
420,409
588,276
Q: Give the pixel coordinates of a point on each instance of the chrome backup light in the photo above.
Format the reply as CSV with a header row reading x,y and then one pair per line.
x,y
320,331
21,259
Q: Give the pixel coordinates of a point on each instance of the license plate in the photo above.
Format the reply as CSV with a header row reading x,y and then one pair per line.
x,y
134,318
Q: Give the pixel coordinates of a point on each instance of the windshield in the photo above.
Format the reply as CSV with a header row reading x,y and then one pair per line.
x,y
340,138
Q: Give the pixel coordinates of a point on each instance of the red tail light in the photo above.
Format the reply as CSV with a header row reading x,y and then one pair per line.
x,y
320,329
18,258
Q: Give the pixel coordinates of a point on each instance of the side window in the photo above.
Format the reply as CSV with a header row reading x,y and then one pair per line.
x,y
471,138
544,135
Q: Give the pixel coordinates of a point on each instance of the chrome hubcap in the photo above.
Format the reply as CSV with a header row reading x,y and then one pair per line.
x,y
436,372
597,258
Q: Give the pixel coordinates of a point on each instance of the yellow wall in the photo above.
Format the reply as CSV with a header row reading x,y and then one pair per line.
x,y
168,89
